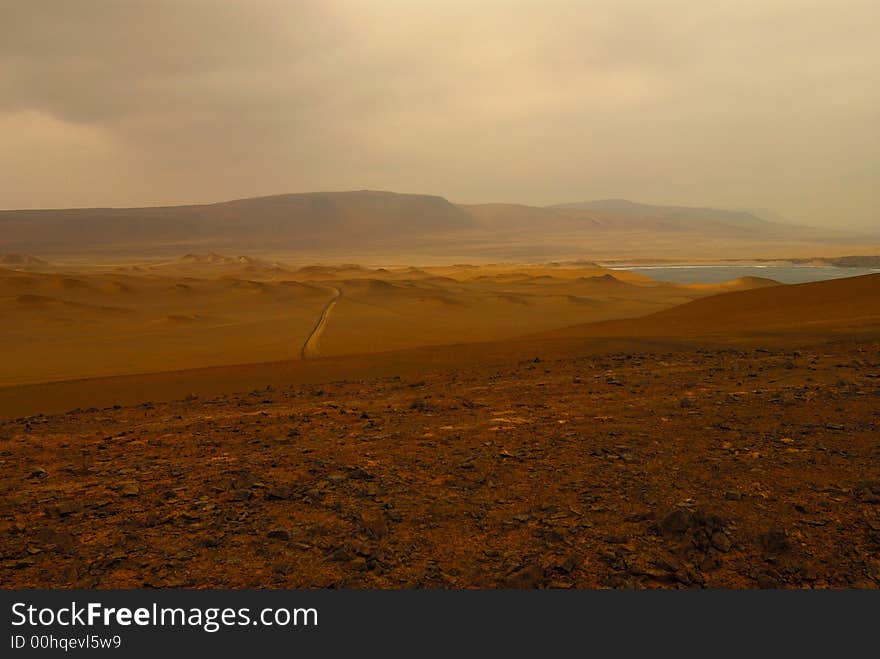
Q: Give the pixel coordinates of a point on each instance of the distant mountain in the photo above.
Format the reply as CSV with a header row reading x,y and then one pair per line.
x,y
668,217
392,223
317,219
518,217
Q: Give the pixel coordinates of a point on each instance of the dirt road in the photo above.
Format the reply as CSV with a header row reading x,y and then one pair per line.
x,y
310,347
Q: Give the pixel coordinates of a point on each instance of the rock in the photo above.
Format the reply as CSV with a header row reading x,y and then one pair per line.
x,y
570,563
374,523
868,492
359,474
775,540
279,493
360,548
340,555
616,539
733,495
211,542
65,508
531,576
39,472
767,581
130,489
676,523
279,534
721,541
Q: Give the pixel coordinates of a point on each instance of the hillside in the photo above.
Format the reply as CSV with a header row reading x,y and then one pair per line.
x,y
310,220
670,217
825,305
392,227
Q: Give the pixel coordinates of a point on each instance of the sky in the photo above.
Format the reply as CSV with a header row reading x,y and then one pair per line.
x,y
755,104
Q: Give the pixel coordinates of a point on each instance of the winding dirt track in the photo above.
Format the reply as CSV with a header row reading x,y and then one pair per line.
x,y
310,347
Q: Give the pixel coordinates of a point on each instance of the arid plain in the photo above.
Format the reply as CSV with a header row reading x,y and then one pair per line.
x,y
212,420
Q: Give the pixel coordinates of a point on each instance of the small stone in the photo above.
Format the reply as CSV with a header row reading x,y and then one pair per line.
x,y
279,534
721,541
676,522
65,508
531,576
775,540
374,523
130,489
733,495
360,548
39,472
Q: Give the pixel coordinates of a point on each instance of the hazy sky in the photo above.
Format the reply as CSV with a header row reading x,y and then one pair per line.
x,y
748,103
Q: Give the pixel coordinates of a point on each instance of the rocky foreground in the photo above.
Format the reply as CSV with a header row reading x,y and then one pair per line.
x,y
723,468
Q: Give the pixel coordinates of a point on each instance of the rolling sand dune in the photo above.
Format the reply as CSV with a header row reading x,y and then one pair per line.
x,y
61,326
207,309
777,315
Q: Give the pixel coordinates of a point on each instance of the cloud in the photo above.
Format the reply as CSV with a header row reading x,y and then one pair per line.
x,y
741,103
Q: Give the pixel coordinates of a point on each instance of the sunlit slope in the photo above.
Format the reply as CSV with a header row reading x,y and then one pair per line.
x,y
835,305
209,310
488,304
70,326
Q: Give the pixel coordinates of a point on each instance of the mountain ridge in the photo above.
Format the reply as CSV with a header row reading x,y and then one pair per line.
x,y
369,219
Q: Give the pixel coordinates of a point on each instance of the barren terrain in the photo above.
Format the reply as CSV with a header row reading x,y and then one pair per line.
x,y
740,453
203,310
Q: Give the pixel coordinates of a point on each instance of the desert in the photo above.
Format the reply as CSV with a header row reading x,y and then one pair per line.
x,y
485,426
529,295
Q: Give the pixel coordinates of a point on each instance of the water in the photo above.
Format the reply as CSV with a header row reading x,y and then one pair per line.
x,y
713,274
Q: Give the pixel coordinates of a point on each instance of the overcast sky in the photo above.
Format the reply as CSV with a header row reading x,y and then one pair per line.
x,y
748,104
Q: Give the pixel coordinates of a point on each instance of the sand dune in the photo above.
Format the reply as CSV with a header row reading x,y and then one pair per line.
x,y
208,309
779,315
95,323
833,306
